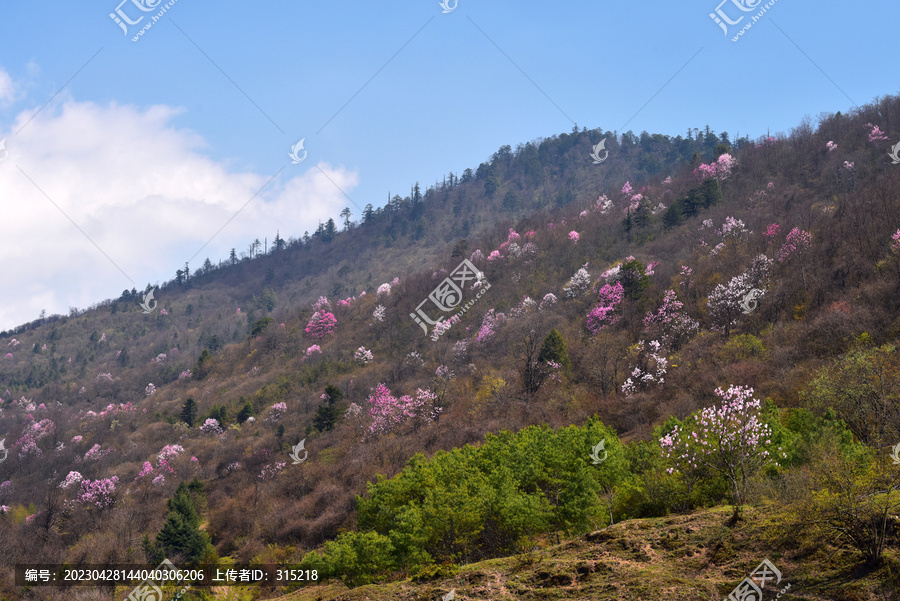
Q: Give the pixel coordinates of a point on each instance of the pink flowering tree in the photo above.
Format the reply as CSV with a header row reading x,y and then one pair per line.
x,y
211,426
720,169
574,236
729,438
100,494
389,412
876,135
669,323
796,242
321,324
895,242
606,312
489,325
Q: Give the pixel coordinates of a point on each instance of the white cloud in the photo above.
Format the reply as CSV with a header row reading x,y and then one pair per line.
x,y
7,88
143,192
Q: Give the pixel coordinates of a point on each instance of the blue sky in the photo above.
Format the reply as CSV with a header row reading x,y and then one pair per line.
x,y
147,149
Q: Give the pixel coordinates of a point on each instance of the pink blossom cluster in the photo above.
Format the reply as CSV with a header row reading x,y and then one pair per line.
x,y
848,165
270,471
603,205
476,256
773,230
732,228
513,235
321,324
796,242
98,492
443,326
831,146
276,412
720,169
876,135
160,358
211,426
388,412
670,322
13,343
95,453
77,438
72,478
895,241
313,349
627,189
729,438
363,355
169,452
6,487
494,256
489,325
443,372
184,375
605,312
383,290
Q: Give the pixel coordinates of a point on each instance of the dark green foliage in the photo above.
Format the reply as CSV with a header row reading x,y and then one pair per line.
x,y
554,349
327,413
245,412
204,365
189,412
260,326
219,413
181,535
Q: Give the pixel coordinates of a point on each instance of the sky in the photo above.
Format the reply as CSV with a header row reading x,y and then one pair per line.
x,y
125,156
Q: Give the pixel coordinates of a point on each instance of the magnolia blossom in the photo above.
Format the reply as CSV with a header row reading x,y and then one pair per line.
x,y
321,324
384,289
574,236
211,426
796,242
72,478
650,369
363,355
495,255
895,241
848,165
150,389
876,135
605,312
773,230
313,349
603,205
627,189
388,412
548,301
831,146
579,284
378,313
322,303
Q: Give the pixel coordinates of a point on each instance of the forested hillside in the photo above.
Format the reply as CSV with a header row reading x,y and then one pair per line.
x,y
692,323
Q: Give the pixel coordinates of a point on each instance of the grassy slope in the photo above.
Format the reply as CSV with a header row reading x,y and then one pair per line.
x,y
693,557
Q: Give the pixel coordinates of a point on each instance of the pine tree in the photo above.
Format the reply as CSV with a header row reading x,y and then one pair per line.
x,y
189,412
554,349
181,534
